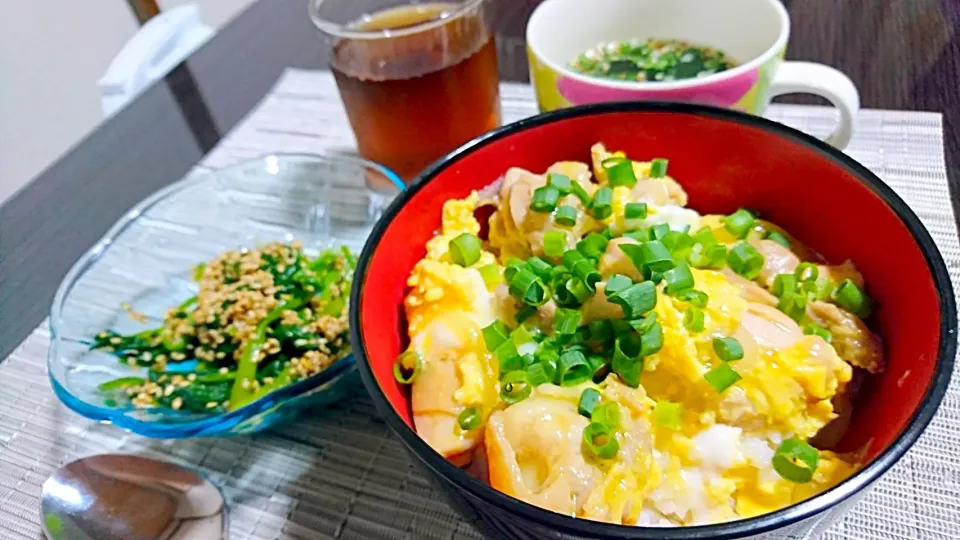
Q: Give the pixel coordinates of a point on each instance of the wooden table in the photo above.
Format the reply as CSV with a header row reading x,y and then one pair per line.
x,y
902,54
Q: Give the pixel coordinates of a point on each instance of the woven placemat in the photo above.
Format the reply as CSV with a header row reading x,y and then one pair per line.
x,y
339,473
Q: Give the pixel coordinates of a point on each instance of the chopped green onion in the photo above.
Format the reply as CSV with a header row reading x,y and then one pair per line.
x,y
515,387
704,236
722,377
407,367
469,419
796,461
617,283
643,324
778,238
514,265
601,206
652,340
627,363
807,272
573,368
578,290
549,358
508,357
620,172
784,284
582,268
554,243
607,414
668,414
593,245
566,215
537,374
635,210
495,334
636,299
600,440
560,182
739,223
728,349
589,399
820,289
694,297
659,231
528,288
600,331
599,367
678,243
524,312
580,193
545,199
540,267
528,360
693,319
490,274
678,278
708,256
566,321
658,168
522,335
817,330
851,298
465,249
794,305
640,235
655,256
745,260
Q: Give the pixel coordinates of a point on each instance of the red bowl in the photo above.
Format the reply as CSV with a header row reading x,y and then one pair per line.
x,y
724,160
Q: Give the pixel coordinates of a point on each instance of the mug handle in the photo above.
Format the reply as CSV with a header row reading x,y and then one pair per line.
x,y
826,82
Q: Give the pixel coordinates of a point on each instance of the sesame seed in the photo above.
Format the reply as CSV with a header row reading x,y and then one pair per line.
x,y
192,377
211,404
224,371
177,403
115,340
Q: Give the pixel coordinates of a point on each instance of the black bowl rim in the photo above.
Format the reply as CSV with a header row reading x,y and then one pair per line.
x,y
735,529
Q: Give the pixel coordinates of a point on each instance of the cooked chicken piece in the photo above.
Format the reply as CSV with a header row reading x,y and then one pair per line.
x,y
749,290
615,261
770,327
764,227
838,273
534,453
598,307
518,231
660,191
776,260
853,341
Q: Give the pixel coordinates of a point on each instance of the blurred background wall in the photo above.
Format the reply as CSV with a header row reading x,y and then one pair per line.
x,y
52,52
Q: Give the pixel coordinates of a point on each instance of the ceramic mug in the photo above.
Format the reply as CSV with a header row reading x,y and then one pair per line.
x,y
752,32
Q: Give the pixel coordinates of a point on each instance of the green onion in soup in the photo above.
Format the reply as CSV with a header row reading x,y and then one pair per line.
x,y
651,60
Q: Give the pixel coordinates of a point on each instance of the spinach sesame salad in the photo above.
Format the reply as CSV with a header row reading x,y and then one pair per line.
x,y
654,60
261,319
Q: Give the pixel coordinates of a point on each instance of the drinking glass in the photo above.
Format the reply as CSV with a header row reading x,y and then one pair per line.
x,y
416,79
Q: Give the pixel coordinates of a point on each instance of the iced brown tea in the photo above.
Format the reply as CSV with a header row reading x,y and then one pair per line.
x,y
418,92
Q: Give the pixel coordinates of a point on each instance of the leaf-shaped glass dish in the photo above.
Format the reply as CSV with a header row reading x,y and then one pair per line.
x,y
146,261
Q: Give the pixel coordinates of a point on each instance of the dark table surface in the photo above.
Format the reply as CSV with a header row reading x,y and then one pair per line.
x,y
902,54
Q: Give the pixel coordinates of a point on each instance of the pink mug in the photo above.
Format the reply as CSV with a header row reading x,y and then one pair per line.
x,y
752,32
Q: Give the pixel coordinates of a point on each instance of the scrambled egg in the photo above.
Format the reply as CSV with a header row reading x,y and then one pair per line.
x,y
714,466
447,307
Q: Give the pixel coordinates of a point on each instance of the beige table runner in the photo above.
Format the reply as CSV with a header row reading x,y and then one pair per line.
x,y
339,473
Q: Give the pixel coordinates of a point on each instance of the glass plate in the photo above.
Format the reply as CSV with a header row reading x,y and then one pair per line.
x,y
146,260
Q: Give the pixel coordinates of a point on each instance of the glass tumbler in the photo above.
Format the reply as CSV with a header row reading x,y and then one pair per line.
x,y
416,79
